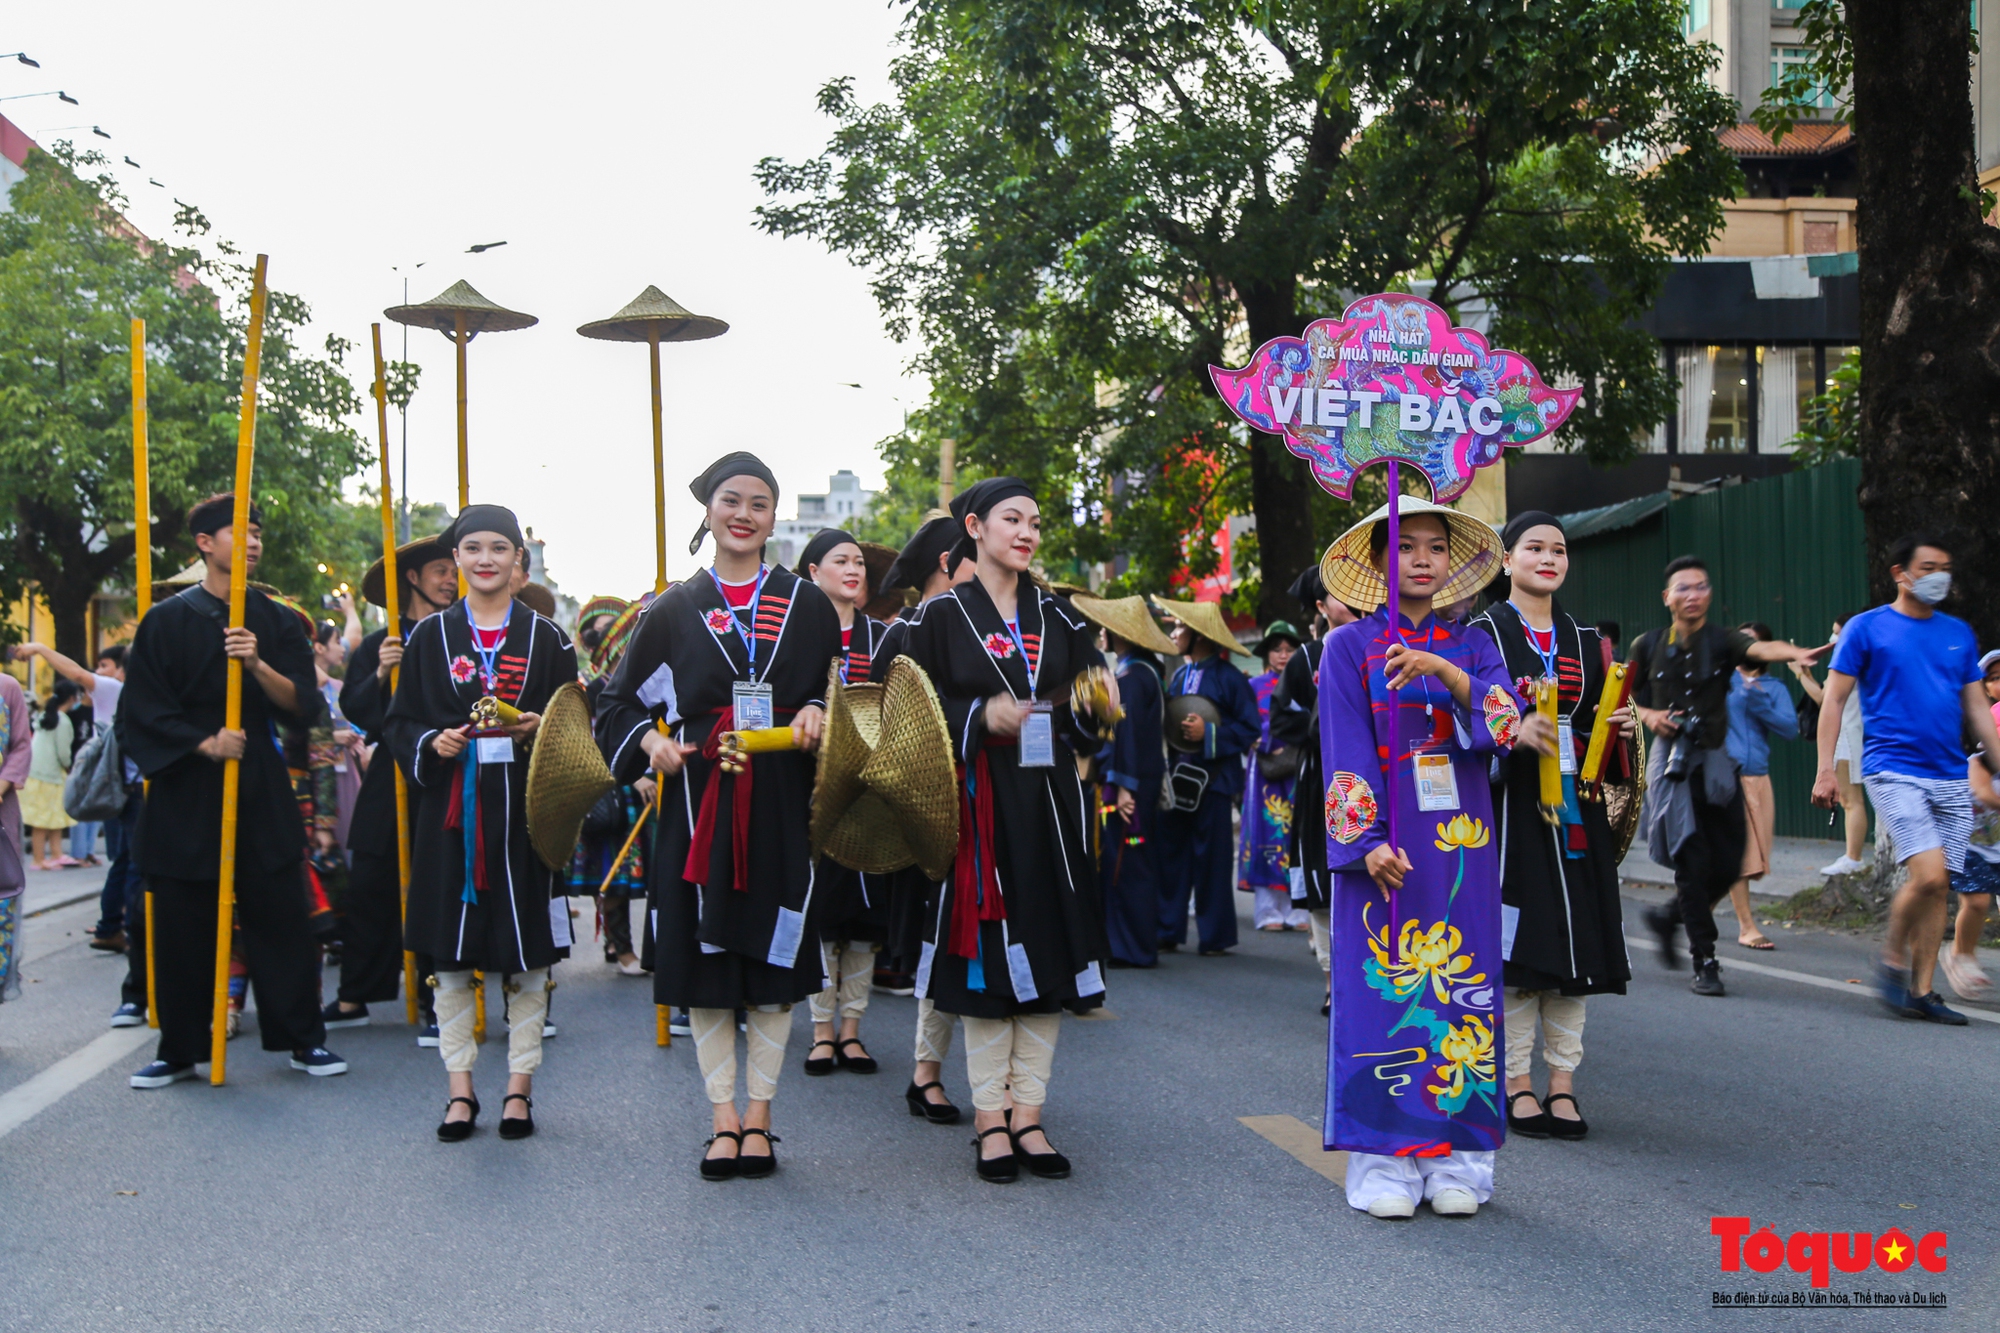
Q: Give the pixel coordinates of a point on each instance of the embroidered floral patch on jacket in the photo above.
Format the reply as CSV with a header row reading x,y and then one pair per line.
x,y
1503,715
1000,646
463,669
1350,806
719,621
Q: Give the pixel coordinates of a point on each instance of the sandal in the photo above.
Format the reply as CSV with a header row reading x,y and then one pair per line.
x,y
458,1131
720,1168
863,1063
819,1067
1534,1126
938,1113
1050,1165
520,1126
996,1170
1566,1129
1762,943
757,1165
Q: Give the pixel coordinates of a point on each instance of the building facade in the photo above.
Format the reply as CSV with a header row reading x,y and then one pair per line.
x,y
842,505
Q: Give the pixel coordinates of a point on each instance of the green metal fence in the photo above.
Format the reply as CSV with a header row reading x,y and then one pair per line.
x,y
1787,551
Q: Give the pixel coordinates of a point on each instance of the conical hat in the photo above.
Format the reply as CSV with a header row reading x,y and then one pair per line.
x,y
409,555
654,309
912,769
1128,618
1204,618
187,578
853,725
441,312
566,775
1348,567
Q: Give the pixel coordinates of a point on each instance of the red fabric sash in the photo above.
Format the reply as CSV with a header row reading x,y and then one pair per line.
x,y
975,880
701,850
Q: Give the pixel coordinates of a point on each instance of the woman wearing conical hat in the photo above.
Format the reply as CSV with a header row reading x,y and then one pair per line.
x,y
854,912
1412,710
1018,932
480,897
740,646
1263,863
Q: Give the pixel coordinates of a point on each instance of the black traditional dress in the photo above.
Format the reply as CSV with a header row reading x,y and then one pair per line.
x,y
505,919
1295,722
854,906
1020,926
371,953
736,933
1561,878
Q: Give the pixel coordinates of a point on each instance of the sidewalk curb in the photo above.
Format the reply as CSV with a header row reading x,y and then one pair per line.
x,y
71,901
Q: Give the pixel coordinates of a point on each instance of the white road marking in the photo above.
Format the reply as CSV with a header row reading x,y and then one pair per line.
x,y
19,1105
1865,990
1299,1139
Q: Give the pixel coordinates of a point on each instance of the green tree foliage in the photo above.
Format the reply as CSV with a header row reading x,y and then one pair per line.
x,y
73,274
1832,425
1075,206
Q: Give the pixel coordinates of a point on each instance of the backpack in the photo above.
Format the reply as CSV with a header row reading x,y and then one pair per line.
x,y
95,788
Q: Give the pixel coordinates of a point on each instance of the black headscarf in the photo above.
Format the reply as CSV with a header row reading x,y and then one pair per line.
x,y
919,559
1517,527
218,512
485,518
1310,589
704,487
977,500
823,541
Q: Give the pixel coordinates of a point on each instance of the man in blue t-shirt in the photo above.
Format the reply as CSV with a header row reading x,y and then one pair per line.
x,y
1918,672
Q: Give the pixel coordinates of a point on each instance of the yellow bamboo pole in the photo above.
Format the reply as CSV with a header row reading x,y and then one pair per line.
x,y
232,709
142,554
459,338
392,584
661,1036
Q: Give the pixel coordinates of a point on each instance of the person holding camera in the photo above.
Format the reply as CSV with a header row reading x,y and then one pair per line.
x,y
1693,816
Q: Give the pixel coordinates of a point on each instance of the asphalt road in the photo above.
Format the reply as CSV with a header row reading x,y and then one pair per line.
x,y
283,1202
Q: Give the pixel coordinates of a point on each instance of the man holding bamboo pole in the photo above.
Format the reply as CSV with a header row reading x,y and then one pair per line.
x,y
171,721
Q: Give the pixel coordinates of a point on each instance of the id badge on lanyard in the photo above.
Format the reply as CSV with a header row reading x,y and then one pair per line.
x,y
1566,748
496,749
1437,783
1038,736
751,701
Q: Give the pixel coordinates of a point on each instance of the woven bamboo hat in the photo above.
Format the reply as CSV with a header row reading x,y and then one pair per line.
x,y
410,555
187,578
653,310
853,727
442,311
1348,567
566,775
886,796
1128,618
1204,618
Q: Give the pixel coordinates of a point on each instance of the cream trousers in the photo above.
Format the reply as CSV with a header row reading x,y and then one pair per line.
x,y
1322,939
850,968
1562,1030
933,1032
715,1050
1014,1055
527,1005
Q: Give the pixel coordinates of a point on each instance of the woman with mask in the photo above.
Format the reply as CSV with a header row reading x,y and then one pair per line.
x,y
1017,934
1560,879
480,898
741,646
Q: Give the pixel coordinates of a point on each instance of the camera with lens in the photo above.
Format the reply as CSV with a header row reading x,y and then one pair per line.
x,y
330,601
1685,752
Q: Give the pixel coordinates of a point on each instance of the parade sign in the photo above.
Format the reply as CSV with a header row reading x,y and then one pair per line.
x,y
1392,381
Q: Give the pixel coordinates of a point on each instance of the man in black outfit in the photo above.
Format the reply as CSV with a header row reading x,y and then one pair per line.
x,y
371,935
1694,803
172,728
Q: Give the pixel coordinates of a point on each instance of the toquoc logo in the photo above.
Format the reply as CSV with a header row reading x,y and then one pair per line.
x,y
1817,1252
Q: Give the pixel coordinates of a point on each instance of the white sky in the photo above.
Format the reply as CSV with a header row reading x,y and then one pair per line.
x,y
609,144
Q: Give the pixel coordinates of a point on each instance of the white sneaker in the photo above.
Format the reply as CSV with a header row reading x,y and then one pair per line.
x,y
1394,1207
1454,1203
1846,865
1968,979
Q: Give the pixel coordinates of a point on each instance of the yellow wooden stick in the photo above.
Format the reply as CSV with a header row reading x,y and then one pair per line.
x,y
1551,764
659,467
232,709
662,1034
393,593
624,851
1609,704
142,555
478,1006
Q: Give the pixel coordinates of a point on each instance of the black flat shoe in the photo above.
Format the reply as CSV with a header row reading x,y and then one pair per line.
x,y
819,1067
1326,1005
1050,1165
938,1113
458,1131
863,1063
1534,1126
1566,1129
520,1126
755,1166
997,1170
720,1168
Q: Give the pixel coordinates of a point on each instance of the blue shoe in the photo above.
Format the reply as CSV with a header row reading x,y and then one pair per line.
x,y
160,1073
1931,1008
319,1062
680,1025
1894,985
427,1035
336,1017
129,1015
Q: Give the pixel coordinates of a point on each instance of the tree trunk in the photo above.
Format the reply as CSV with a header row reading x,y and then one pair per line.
x,y
1930,299
1280,485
